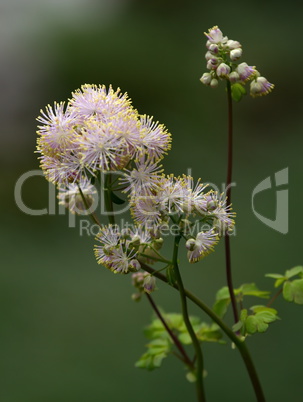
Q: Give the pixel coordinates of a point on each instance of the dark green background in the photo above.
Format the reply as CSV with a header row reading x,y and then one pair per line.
x,y
69,330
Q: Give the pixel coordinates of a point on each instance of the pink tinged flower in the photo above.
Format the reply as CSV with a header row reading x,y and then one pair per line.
x,y
260,87
93,100
120,259
70,196
206,78
155,138
215,35
100,148
62,168
221,212
171,195
143,178
223,70
57,132
201,246
235,54
145,210
109,237
245,71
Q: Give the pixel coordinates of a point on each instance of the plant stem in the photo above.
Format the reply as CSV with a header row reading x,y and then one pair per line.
x,y
107,198
228,195
274,297
195,341
176,341
241,345
92,215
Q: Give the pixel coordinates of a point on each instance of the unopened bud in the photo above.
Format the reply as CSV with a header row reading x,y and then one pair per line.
x,y
214,83
190,244
235,54
149,284
223,70
206,78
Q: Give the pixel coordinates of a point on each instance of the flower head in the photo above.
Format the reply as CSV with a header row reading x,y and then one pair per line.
x,y
260,87
201,246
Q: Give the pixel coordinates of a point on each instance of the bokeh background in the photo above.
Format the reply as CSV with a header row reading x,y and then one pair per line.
x,y
69,330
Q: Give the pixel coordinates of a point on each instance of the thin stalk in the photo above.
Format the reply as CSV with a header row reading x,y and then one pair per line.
x,y
274,297
241,345
92,215
107,199
176,341
228,195
195,341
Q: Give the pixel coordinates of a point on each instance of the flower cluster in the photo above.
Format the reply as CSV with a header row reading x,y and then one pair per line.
x,y
222,60
98,130
121,251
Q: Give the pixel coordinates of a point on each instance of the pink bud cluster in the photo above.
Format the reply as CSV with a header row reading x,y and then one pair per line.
x,y
222,62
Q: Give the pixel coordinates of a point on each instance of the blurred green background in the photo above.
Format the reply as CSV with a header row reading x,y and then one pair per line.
x,y
69,330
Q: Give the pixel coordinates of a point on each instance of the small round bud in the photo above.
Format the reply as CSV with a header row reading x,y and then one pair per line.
x,y
206,78
158,243
134,266
214,83
149,284
212,63
234,77
233,44
223,70
214,48
235,54
190,244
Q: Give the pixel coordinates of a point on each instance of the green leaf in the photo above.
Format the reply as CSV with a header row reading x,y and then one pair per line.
x,y
222,294
250,289
237,91
293,291
279,282
259,321
258,309
115,199
237,326
293,272
274,276
279,279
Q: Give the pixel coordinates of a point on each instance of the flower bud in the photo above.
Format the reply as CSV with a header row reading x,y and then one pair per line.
x,y
214,83
223,70
260,87
190,244
158,243
245,71
212,63
234,77
213,48
149,284
235,54
233,44
134,266
206,78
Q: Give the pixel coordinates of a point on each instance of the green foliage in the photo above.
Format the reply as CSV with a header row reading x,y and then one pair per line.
x,y
161,343
292,289
237,91
258,321
223,299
